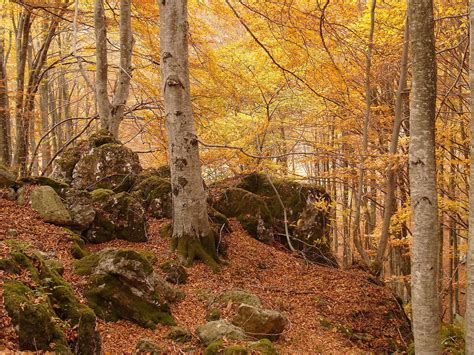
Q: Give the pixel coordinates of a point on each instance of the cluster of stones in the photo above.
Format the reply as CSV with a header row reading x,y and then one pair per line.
x,y
100,192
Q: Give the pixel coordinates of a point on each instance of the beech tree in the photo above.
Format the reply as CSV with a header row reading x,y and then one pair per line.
x,y
192,234
469,317
5,135
111,113
422,169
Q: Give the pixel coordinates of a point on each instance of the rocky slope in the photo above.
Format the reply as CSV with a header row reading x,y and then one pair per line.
x,y
327,309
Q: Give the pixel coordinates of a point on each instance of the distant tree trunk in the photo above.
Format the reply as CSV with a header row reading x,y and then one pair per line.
x,y
422,165
22,39
389,200
125,72
469,317
192,235
101,68
5,134
44,112
111,114
365,142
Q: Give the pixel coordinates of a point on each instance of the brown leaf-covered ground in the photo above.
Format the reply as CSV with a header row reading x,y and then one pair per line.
x,y
329,310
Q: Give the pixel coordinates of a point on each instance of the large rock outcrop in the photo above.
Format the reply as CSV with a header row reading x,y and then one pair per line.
x,y
117,216
43,304
99,162
122,285
252,199
155,192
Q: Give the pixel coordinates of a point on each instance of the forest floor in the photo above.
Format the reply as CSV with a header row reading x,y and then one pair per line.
x,y
329,310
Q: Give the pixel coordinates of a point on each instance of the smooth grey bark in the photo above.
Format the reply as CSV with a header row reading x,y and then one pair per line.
x,y
422,169
192,235
111,113
469,317
389,199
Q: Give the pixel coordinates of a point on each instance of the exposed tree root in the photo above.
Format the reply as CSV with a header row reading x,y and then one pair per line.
x,y
190,248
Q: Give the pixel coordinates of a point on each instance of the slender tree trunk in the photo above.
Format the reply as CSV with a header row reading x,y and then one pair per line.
x,y
101,71
469,317
389,200
111,113
44,112
5,134
365,142
22,38
192,235
422,165
125,71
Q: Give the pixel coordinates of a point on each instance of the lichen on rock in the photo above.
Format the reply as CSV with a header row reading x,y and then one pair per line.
x,y
49,205
123,285
118,216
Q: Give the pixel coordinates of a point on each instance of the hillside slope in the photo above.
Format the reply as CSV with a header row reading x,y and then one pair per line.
x,y
329,310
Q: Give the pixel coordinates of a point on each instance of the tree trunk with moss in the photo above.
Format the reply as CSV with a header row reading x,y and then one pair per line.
x,y
192,234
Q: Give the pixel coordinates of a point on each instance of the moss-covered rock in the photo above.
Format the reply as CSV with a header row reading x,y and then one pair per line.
x,y
175,272
59,186
236,350
252,199
64,165
109,166
250,209
101,138
34,318
179,334
78,247
7,178
238,297
101,195
260,323
147,346
216,330
214,348
98,162
264,347
213,314
79,204
118,216
155,192
122,285
55,265
37,311
49,206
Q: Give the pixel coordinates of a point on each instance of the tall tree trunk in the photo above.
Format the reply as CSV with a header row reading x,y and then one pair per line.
x,y
111,113
389,199
22,38
469,317
125,71
44,112
101,68
192,235
5,134
365,142
422,165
